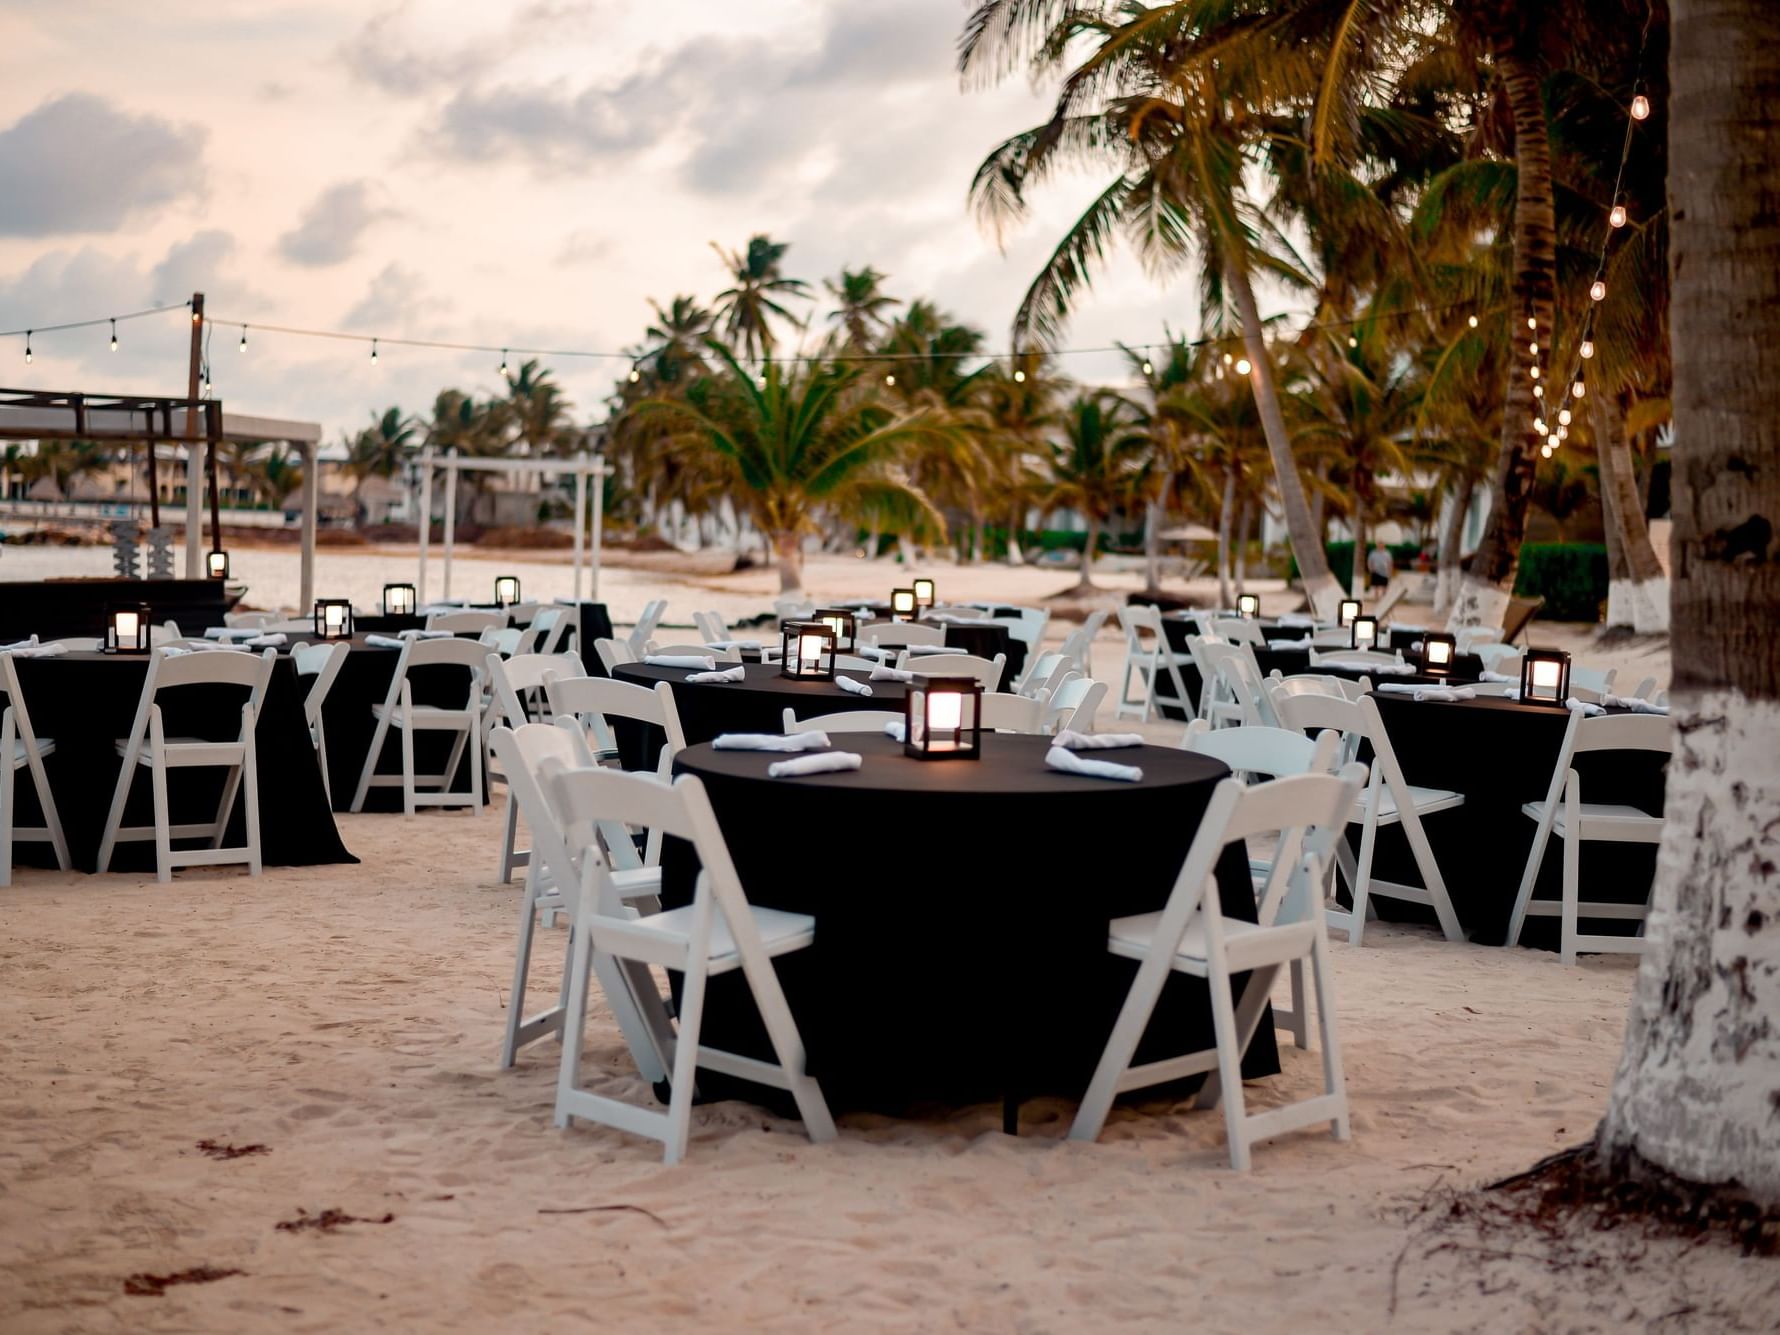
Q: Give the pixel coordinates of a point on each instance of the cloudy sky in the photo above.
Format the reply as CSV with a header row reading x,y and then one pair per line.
x,y
523,173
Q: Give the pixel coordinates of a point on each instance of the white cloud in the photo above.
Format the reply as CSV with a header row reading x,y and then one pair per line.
x,y
333,225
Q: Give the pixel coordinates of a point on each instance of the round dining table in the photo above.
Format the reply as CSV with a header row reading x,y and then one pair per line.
x,y
962,909
86,702
757,703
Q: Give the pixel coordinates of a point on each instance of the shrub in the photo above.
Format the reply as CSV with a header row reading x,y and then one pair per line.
x,y
1570,576
1341,560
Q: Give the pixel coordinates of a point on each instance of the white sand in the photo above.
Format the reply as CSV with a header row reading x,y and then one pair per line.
x,y
349,1019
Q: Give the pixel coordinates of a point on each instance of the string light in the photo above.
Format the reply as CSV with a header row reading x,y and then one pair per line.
x,y
1539,425
1228,359
890,378
1538,391
114,335
1563,417
760,382
373,352
1578,390
1588,349
243,338
27,347
1598,292
635,374
1147,368
1242,366
1019,377
1640,107
1472,321
1352,342
1616,216
1533,348
1545,451
505,374
1534,373
1563,433
1532,322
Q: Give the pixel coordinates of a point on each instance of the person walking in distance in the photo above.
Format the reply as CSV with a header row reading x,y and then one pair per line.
x,y
1379,566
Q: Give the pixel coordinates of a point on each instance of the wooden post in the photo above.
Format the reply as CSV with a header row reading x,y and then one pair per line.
x,y
580,517
426,524
599,515
194,477
450,523
311,498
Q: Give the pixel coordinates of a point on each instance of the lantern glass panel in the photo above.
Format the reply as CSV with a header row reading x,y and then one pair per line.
x,y
1365,633
398,600
1545,677
216,565
1439,652
127,629
844,624
333,618
1249,605
902,603
1350,608
807,650
923,593
506,590
943,718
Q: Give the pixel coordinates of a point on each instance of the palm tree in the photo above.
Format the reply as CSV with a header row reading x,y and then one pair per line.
x,y
756,295
1096,467
273,473
1019,403
674,345
800,442
379,450
1166,384
62,463
1178,109
861,305
537,410
459,423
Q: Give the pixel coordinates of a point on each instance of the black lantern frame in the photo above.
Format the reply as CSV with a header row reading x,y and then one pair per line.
x,y
845,625
506,590
127,628
903,606
333,618
400,600
924,594
1363,633
1350,608
943,718
1248,606
798,659
1545,678
1440,653
216,563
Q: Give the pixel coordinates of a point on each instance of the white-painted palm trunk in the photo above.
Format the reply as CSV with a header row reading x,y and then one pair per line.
x,y
1641,604
1698,1089
1478,603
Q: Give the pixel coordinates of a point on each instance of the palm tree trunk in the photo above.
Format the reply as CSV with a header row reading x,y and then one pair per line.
x,y
1015,557
789,549
1313,565
1489,584
1086,582
1694,1093
1152,546
1359,576
1452,542
1242,526
1638,594
1225,598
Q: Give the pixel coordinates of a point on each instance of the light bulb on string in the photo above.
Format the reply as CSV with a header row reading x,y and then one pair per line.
x,y
635,375
1019,377
760,383
114,335
373,352
505,374
1578,390
890,378
1352,342
1539,425
27,347
1472,321
1545,451
1598,292
243,338
1242,366
1228,359
1640,108
1616,216
1534,373
1563,417
1563,433
1148,369
1588,349
1538,391
1533,348
1532,322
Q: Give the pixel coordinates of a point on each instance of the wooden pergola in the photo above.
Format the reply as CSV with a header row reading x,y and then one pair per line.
x,y
126,419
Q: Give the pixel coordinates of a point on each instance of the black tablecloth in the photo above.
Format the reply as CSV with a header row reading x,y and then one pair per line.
x,y
1500,753
588,621
983,641
86,702
974,964
758,704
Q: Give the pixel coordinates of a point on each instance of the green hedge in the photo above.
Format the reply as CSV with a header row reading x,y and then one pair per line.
x,y
1570,576
1341,560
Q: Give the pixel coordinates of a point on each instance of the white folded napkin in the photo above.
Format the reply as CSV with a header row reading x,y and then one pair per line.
x,y
729,674
385,641
32,650
817,764
230,633
1096,741
957,619
923,650
1427,692
1587,708
890,674
1360,665
853,685
18,644
1632,702
896,729
680,661
1499,678
271,641
1295,619
735,644
1062,758
771,741
1290,646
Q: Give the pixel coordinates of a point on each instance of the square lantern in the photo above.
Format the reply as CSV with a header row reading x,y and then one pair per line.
x,y
1350,608
1439,653
216,564
943,718
902,604
923,593
1365,633
399,600
1248,605
506,590
1545,677
806,650
845,625
126,628
333,618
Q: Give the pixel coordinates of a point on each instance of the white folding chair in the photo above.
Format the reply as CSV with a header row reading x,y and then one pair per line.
x,y
1239,630
1270,753
1502,658
1151,663
464,723
22,748
711,627
1240,697
319,664
644,630
553,625
593,702
612,652
88,644
1004,711
1073,705
1192,936
1591,684
466,623
899,634
517,688
552,883
1471,639
718,932
505,642
1046,673
986,670
842,720
731,655
1387,800
249,620
149,746
1368,657
1563,812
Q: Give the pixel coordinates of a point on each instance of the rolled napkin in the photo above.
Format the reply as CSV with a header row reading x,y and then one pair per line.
x,y
1426,692
850,684
735,644
1295,619
1634,703
896,730
1499,678
385,641
271,641
1096,741
29,650
1587,708
729,674
1359,665
771,741
230,633
430,634
890,674
17,645
1290,646
914,650
1062,758
955,619
680,661
818,764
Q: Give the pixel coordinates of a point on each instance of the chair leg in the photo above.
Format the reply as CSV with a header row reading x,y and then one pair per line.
x,y
51,817
225,806
378,736
1223,1017
321,759
521,970
120,796
574,1022
250,785
1121,1044
781,1028
8,778
1530,877
477,769
685,1077
1300,1026
163,822
1572,866
509,837
1362,886
407,770
1431,877
1334,1078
